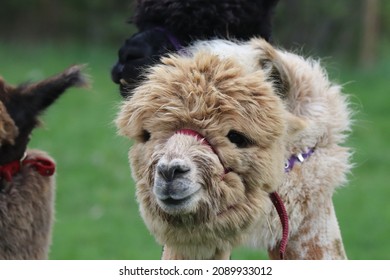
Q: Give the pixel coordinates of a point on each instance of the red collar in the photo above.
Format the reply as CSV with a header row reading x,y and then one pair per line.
x,y
43,166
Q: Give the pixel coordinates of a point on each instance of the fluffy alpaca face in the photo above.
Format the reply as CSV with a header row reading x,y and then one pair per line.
x,y
184,195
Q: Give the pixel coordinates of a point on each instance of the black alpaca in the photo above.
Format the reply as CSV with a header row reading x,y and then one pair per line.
x,y
167,25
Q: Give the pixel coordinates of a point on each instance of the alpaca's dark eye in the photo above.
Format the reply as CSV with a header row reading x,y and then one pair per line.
x,y
145,135
239,139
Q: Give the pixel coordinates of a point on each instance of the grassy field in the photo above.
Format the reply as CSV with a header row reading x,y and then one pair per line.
x,y
96,211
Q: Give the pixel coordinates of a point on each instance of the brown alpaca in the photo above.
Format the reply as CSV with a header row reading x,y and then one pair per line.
x,y
26,181
213,130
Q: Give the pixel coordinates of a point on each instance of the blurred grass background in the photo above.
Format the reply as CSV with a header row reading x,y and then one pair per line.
x,y
96,211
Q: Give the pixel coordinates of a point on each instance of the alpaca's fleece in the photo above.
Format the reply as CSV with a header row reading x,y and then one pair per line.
x,y
159,21
26,214
207,19
27,193
199,212
256,106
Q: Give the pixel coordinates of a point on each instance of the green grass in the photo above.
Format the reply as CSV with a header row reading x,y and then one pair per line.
x,y
363,207
96,211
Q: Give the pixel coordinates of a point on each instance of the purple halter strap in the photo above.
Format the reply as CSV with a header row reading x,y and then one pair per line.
x,y
297,158
174,41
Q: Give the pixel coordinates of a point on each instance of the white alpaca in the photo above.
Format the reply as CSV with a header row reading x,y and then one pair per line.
x,y
214,129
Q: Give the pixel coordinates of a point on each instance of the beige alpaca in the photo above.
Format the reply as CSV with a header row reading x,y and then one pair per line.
x,y
213,129
27,186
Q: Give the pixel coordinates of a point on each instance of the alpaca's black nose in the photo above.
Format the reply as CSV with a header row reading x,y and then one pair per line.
x,y
116,72
172,171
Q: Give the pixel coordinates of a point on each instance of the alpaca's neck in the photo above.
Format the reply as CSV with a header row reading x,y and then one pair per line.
x,y
173,254
317,237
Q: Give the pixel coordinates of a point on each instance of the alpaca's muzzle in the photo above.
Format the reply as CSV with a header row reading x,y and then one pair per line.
x,y
174,185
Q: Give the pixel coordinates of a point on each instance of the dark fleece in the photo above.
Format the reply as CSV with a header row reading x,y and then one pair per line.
x,y
194,19
25,103
27,201
187,21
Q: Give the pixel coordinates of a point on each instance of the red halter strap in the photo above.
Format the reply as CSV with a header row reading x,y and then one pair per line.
x,y
281,209
204,141
43,166
275,198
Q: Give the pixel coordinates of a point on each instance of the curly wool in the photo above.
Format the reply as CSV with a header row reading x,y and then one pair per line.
x,y
240,18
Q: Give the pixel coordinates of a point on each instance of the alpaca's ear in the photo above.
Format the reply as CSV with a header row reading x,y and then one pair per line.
x,y
4,89
2,86
8,129
273,67
42,94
